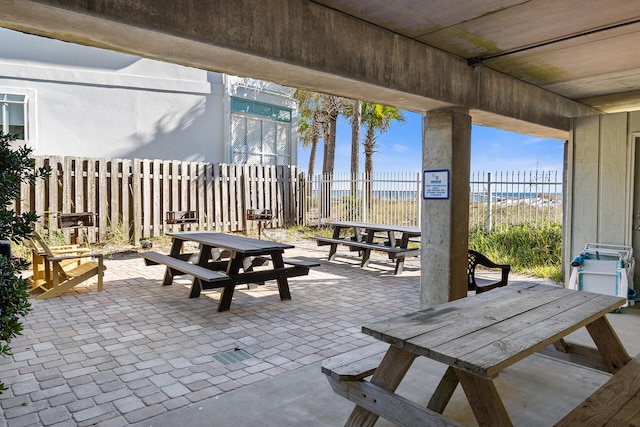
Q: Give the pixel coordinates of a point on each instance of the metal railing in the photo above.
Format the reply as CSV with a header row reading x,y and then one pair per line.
x,y
495,200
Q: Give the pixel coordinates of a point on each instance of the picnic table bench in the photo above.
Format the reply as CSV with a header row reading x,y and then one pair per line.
x,y
519,320
244,254
615,403
363,240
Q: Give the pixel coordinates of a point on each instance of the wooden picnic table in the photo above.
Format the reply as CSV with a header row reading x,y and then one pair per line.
x,y
212,270
478,337
363,239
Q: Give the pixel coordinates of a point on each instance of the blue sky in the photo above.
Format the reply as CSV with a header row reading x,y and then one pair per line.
x,y
400,149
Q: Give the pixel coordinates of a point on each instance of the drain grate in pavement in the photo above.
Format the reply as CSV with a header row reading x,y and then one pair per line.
x,y
232,356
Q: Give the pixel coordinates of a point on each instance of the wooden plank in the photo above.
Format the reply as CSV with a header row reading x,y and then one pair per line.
x,y
193,191
390,406
126,188
184,186
200,272
577,354
91,197
103,198
614,354
156,219
147,198
224,191
114,180
612,184
355,364
584,201
525,338
392,369
615,403
278,197
210,197
138,207
175,190
233,191
467,311
484,399
248,192
217,197
54,192
67,189
39,190
166,192
202,187
504,328
79,185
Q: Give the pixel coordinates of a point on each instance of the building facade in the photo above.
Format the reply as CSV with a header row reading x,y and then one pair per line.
x,y
72,100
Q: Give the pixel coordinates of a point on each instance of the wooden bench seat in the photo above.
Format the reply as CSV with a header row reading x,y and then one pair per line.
x,y
616,403
347,375
300,262
393,251
178,266
356,364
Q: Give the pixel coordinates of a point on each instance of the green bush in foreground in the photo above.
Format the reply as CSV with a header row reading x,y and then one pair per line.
x,y
16,167
529,248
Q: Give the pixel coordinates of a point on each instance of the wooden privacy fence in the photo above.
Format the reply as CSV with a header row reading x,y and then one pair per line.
x,y
132,197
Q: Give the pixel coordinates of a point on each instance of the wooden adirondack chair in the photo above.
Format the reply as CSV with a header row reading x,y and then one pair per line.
x,y
37,279
64,268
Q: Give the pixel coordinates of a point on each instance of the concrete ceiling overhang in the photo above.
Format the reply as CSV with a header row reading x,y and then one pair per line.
x,y
521,65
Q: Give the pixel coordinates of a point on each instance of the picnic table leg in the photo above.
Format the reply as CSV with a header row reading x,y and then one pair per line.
x,y
332,251
237,261
484,399
404,243
283,283
392,369
613,353
444,391
334,246
366,254
225,298
247,265
176,248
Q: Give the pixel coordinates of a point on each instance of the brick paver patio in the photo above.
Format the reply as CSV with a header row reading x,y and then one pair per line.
x,y
138,349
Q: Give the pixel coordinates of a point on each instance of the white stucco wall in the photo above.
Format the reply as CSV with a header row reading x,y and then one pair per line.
x,y
90,102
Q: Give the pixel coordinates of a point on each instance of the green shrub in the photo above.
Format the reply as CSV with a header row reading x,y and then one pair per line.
x,y
529,248
15,167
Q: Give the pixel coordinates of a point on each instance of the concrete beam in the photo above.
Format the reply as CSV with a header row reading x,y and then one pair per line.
x,y
299,44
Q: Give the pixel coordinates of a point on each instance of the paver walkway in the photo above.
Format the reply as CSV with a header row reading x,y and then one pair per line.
x,y
138,349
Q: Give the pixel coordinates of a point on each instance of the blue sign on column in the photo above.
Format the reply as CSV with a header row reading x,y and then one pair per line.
x,y
435,184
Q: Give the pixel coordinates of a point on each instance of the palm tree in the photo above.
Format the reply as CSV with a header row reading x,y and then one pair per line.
x,y
309,126
331,106
353,111
376,118
318,117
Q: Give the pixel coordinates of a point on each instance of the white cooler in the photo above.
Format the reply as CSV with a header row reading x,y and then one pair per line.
x,y
604,269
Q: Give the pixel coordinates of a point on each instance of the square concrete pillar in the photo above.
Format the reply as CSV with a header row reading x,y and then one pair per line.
x,y
446,145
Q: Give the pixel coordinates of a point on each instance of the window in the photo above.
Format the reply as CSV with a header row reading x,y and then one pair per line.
x,y
260,133
14,115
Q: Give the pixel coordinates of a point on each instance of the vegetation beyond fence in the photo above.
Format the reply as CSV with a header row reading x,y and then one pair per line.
x,y
133,196
495,201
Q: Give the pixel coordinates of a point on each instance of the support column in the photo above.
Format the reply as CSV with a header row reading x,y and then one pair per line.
x,y
446,144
